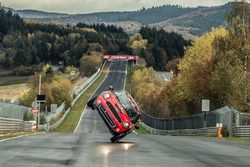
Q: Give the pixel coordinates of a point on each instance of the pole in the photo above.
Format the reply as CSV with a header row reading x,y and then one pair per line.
x,y
40,80
246,59
39,92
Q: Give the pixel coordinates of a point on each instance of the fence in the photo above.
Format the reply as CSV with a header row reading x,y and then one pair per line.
x,y
200,124
14,111
13,125
59,110
223,115
242,128
209,131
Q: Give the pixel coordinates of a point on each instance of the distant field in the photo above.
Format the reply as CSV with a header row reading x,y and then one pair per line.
x,y
11,87
9,80
12,92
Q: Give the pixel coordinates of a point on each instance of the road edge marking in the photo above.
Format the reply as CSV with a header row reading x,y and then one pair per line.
x,y
21,136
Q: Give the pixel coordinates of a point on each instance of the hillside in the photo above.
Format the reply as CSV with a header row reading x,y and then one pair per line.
x,y
187,21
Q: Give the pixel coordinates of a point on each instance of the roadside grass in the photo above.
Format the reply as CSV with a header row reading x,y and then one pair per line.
x,y
142,130
71,121
13,134
128,78
237,139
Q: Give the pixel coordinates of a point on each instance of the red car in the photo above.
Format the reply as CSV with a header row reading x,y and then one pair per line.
x,y
119,112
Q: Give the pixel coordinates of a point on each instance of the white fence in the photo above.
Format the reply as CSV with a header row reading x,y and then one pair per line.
x,y
14,125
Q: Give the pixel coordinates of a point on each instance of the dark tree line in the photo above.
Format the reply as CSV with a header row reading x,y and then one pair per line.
x,y
163,47
28,44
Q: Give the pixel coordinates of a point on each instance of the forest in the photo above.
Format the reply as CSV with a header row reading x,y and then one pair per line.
x,y
215,67
25,44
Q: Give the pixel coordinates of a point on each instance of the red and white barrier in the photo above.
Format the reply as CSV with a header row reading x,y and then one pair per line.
x,y
120,57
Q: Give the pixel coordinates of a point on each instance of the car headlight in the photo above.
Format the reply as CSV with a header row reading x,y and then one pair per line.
x,y
125,124
106,95
117,130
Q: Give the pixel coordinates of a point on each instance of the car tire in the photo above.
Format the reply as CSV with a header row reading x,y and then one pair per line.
x,y
114,139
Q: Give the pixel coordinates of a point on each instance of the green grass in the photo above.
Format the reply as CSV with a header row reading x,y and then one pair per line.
x,y
71,121
142,130
237,139
128,78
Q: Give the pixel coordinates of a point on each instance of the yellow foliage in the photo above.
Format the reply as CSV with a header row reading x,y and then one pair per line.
x,y
196,68
137,43
202,50
60,88
31,21
89,30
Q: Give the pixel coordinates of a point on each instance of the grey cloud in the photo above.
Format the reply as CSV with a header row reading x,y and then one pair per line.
x,y
88,6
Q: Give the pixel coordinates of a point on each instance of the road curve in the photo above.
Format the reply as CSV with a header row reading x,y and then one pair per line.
x,y
90,146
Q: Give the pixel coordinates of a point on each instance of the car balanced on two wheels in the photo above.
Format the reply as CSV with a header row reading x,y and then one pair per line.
x,y
119,111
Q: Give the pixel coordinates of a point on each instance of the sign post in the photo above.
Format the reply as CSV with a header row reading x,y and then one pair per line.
x,y
205,107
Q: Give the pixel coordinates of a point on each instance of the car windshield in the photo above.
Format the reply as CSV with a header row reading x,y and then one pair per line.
x,y
127,105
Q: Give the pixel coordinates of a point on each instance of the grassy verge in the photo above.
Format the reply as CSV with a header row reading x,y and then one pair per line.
x,y
128,78
13,134
74,115
237,139
142,130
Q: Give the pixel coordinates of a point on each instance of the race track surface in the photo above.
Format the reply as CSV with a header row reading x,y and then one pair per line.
x,y
90,145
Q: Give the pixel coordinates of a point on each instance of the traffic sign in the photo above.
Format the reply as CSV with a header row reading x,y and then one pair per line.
x,y
205,105
35,110
34,104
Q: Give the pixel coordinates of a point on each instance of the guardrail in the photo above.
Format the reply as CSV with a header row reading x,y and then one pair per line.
x,y
210,131
223,115
242,131
203,124
14,125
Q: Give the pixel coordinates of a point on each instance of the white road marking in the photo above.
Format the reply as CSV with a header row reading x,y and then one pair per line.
x,y
11,138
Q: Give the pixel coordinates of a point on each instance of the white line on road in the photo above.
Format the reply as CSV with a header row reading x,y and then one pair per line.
x,y
11,138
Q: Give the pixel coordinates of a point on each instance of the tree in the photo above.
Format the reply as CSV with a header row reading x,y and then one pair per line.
x,y
60,90
137,43
89,64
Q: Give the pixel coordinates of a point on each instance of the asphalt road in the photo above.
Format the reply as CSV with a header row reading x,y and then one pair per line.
x,y
90,145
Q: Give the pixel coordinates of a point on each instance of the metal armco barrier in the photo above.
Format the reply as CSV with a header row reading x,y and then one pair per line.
x,y
210,131
242,131
203,124
223,115
13,125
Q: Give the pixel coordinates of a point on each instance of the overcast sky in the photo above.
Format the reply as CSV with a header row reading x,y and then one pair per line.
x,y
89,6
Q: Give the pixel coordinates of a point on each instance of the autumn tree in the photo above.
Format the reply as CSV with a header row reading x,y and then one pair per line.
x,y
89,64
137,43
